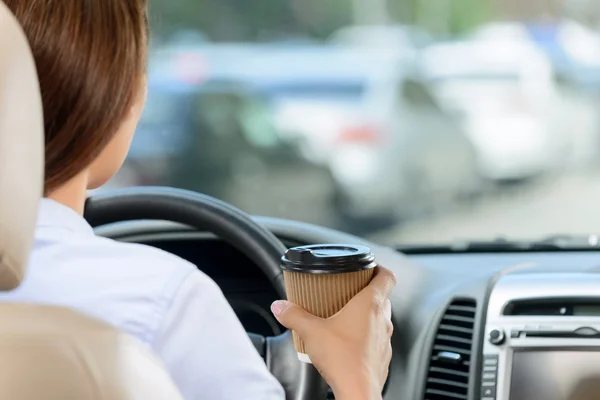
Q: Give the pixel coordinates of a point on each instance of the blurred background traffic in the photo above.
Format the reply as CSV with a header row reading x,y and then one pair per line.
x,y
399,120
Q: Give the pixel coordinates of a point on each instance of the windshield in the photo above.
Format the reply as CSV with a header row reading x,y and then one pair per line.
x,y
402,121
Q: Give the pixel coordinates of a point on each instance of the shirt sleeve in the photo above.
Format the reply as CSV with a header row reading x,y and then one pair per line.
x,y
206,349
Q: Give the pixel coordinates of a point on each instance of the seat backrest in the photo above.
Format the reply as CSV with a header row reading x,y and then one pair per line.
x,y
50,352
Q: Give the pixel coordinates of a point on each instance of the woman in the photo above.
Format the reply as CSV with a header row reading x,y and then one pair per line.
x,y
91,58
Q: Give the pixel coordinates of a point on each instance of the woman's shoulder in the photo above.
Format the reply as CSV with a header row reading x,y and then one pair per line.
x,y
145,256
99,256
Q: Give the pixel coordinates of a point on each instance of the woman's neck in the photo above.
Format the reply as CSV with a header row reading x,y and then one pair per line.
x,y
72,193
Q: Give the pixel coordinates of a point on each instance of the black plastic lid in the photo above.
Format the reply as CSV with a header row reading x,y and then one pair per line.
x,y
328,259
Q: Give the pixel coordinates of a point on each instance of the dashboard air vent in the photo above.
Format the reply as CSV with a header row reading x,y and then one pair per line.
x,y
450,362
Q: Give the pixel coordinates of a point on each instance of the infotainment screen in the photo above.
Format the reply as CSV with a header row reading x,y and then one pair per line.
x,y
555,375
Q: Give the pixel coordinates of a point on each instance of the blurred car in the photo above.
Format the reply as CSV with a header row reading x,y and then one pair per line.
x,y
411,160
392,151
574,51
502,90
218,138
162,134
572,48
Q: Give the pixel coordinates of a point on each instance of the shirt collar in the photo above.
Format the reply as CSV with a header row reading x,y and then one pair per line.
x,y
52,214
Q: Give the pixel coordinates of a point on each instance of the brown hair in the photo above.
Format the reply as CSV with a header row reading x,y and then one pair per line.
x,y
90,57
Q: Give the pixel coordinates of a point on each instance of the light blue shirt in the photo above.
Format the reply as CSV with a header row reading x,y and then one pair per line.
x,y
153,295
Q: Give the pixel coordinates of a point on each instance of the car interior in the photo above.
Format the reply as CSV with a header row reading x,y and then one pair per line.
x,y
476,320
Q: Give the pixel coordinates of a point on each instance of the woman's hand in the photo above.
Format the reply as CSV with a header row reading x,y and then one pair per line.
x,y
352,349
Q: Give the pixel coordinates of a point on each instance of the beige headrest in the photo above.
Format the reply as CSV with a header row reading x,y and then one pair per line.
x,y
21,150
54,353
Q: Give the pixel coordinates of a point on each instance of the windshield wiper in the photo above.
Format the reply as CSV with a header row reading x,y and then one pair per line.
x,y
500,245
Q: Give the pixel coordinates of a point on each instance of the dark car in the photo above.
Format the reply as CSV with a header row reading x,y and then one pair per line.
x,y
218,138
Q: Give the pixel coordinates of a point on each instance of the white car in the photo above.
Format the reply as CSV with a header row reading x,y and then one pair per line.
x,y
503,90
390,148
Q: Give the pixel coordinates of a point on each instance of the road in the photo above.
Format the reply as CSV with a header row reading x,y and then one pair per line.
x,y
564,204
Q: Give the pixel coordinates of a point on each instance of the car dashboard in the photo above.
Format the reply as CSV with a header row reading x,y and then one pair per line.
x,y
457,334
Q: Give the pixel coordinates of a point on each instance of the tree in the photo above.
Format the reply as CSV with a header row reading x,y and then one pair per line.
x,y
231,20
241,20
444,17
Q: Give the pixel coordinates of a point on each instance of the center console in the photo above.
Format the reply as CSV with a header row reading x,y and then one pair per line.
x,y
542,338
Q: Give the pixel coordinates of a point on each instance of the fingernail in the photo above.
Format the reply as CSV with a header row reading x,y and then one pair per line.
x,y
278,307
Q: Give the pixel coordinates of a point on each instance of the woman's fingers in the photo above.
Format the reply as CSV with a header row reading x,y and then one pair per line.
x,y
379,290
294,317
383,282
387,309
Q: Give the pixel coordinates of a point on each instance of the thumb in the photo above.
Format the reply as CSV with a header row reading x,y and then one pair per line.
x,y
293,317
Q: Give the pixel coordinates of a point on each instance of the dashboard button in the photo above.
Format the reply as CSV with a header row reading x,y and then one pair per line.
x,y
488,393
490,360
496,337
489,377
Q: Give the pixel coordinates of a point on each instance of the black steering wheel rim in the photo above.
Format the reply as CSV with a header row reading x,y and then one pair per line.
x,y
301,381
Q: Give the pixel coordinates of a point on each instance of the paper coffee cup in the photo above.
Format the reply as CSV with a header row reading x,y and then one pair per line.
x,y
323,278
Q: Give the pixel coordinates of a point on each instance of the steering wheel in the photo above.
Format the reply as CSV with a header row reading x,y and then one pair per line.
x,y
301,381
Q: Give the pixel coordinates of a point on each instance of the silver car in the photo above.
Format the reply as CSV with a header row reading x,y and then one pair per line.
x,y
392,151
